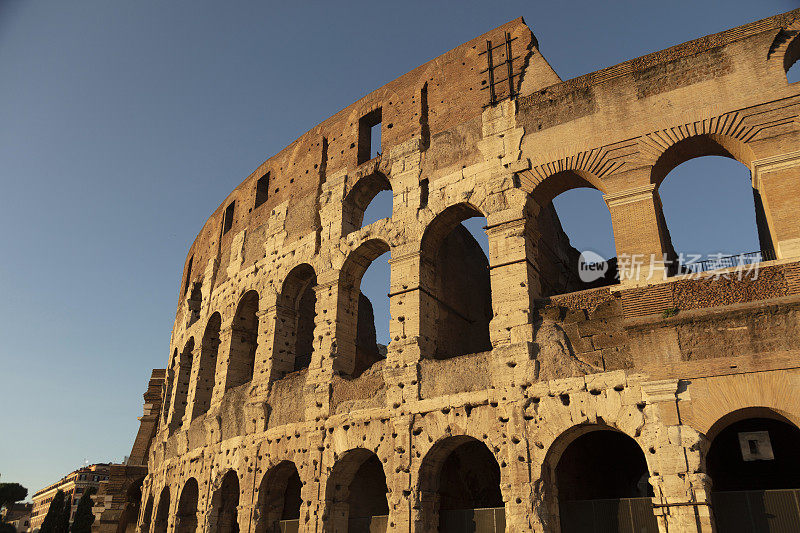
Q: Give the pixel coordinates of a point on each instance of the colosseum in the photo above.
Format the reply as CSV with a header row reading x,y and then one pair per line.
x,y
512,396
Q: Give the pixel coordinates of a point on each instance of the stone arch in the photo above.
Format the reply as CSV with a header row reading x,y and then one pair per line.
x,y
359,197
458,476
162,512
754,468
131,509
692,146
785,47
223,514
356,344
166,392
455,285
186,514
595,473
279,498
244,336
207,367
550,247
356,492
147,516
180,389
295,321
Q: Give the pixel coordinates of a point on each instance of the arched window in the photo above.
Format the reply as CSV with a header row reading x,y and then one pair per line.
x,y
721,223
790,60
601,478
186,519
204,384
130,513
356,493
296,314
244,334
755,471
455,283
224,514
162,512
169,381
460,486
181,388
356,338
567,217
279,499
364,194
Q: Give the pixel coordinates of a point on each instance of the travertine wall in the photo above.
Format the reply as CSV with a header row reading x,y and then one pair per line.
x,y
478,354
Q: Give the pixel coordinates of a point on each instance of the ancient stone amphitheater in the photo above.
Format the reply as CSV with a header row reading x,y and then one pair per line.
x,y
511,396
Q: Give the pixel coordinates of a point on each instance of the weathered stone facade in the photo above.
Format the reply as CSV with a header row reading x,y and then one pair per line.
x,y
278,410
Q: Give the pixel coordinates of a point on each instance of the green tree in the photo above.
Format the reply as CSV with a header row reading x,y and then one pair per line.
x,y
62,525
11,493
83,514
53,513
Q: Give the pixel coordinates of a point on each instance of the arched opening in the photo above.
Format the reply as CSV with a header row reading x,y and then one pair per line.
x,y
147,516
460,488
181,387
455,282
186,518
356,493
790,61
296,315
754,466
362,196
721,223
601,481
357,342
567,217
162,512
166,393
204,386
224,517
195,302
130,512
244,334
279,499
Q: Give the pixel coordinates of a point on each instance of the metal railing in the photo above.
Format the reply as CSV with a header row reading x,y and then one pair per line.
x,y
488,520
728,261
626,515
757,511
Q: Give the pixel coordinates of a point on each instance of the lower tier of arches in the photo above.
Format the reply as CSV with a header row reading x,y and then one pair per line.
x,y
606,452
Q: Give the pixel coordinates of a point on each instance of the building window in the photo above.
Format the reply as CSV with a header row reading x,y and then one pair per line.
x,y
369,135
262,190
227,219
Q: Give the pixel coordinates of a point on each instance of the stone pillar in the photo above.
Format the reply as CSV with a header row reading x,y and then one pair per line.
x,y
640,233
399,479
511,273
320,372
262,371
776,183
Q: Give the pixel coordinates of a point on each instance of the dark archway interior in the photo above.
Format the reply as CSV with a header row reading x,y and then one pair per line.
x,y
228,502
187,508
298,303
470,479
208,366
459,285
130,513
367,494
602,464
242,357
181,386
148,515
730,471
278,497
162,513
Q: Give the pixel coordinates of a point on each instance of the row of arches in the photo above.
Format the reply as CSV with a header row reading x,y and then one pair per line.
x,y
596,478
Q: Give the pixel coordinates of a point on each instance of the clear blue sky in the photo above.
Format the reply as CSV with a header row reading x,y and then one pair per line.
x,y
124,124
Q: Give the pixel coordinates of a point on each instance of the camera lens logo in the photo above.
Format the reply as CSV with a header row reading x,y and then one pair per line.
x,y
591,266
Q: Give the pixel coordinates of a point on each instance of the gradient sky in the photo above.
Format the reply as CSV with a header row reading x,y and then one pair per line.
x,y
124,124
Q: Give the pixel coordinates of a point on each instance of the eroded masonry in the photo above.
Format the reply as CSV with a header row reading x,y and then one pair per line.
x,y
512,395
